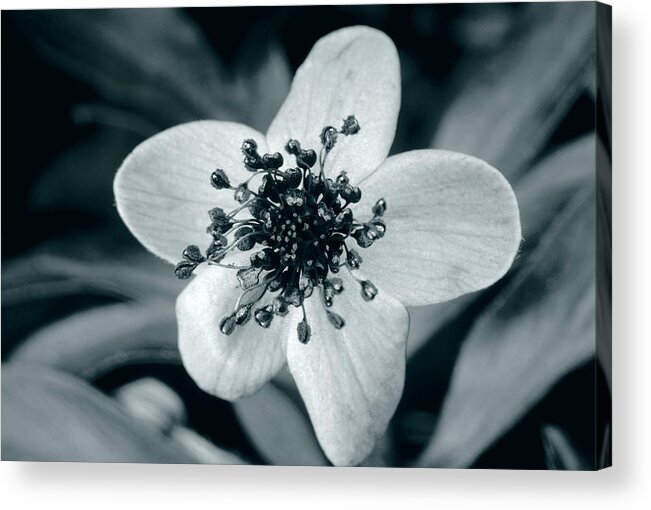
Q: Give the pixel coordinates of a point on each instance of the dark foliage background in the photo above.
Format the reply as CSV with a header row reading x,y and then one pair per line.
x,y
505,378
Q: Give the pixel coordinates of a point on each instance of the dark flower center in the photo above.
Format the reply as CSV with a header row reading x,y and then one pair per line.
x,y
297,229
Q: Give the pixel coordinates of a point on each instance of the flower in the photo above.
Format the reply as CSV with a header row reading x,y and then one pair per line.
x,y
435,225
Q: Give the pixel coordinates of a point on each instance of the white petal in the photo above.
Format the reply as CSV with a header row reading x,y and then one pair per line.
x,y
452,226
163,191
351,379
353,71
231,366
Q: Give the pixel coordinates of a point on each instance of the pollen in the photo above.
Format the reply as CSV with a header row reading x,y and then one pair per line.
x,y
299,229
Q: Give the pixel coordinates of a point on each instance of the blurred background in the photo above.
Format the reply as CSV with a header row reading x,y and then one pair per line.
x,y
505,378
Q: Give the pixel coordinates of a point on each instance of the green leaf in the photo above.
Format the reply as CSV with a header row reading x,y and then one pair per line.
x,y
509,107
51,416
538,328
91,343
279,430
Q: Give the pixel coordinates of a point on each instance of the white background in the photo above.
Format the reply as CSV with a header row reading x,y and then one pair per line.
x,y
625,486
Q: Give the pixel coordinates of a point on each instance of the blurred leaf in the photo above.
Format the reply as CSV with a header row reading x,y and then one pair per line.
x,y
201,449
158,406
604,78
83,424
265,88
483,27
540,327
549,186
156,68
560,454
152,402
425,321
96,341
511,105
604,262
44,286
154,61
280,432
43,275
81,179
605,451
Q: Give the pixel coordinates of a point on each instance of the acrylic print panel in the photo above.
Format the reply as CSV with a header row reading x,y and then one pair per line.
x,y
343,235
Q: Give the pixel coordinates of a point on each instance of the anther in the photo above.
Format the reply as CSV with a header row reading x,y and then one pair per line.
x,y
219,179
227,324
273,161
303,330
337,285
193,254
351,194
243,314
380,207
306,159
242,193
184,269
350,126
264,316
369,291
248,278
293,146
328,138
294,198
379,226
292,177
335,319
249,147
353,259
362,238
261,259
280,306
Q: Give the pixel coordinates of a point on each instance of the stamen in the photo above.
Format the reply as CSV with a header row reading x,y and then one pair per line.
x,y
336,320
302,222
227,324
219,179
303,329
369,291
264,316
243,314
350,126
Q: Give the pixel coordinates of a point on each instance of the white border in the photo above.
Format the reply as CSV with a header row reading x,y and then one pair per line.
x,y
626,486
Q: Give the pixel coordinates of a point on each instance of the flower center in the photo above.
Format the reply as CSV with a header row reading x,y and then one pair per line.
x,y
297,226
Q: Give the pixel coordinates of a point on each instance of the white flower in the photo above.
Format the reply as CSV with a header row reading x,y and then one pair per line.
x,y
451,227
